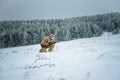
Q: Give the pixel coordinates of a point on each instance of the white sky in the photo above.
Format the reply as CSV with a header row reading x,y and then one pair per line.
x,y
51,9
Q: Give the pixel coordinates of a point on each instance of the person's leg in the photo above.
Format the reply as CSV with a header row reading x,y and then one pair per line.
x,y
43,49
51,47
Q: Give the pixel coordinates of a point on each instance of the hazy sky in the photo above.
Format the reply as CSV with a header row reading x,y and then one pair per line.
x,y
48,9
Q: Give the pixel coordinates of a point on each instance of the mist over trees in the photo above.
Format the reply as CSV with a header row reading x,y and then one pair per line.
x,y
26,32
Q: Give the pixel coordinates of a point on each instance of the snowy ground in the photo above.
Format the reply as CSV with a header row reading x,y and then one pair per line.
x,y
83,59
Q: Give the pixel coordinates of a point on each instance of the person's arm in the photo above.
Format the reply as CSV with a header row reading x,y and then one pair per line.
x,y
53,41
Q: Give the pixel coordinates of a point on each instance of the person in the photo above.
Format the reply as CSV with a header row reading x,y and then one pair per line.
x,y
48,43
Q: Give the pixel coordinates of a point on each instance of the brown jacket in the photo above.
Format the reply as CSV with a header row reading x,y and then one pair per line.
x,y
47,40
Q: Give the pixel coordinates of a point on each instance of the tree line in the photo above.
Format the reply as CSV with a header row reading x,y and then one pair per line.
x,y
27,32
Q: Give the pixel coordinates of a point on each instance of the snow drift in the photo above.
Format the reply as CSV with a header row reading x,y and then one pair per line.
x,y
83,59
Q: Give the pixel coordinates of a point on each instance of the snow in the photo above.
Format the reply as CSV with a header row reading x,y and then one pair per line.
x,y
95,58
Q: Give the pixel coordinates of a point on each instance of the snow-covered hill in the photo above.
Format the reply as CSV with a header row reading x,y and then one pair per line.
x,y
83,59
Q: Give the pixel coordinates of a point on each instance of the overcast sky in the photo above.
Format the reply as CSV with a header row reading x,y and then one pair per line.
x,y
51,9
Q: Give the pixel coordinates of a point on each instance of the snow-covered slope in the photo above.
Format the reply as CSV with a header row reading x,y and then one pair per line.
x,y
83,59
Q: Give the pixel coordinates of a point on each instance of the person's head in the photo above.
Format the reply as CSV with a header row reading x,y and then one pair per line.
x,y
52,36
